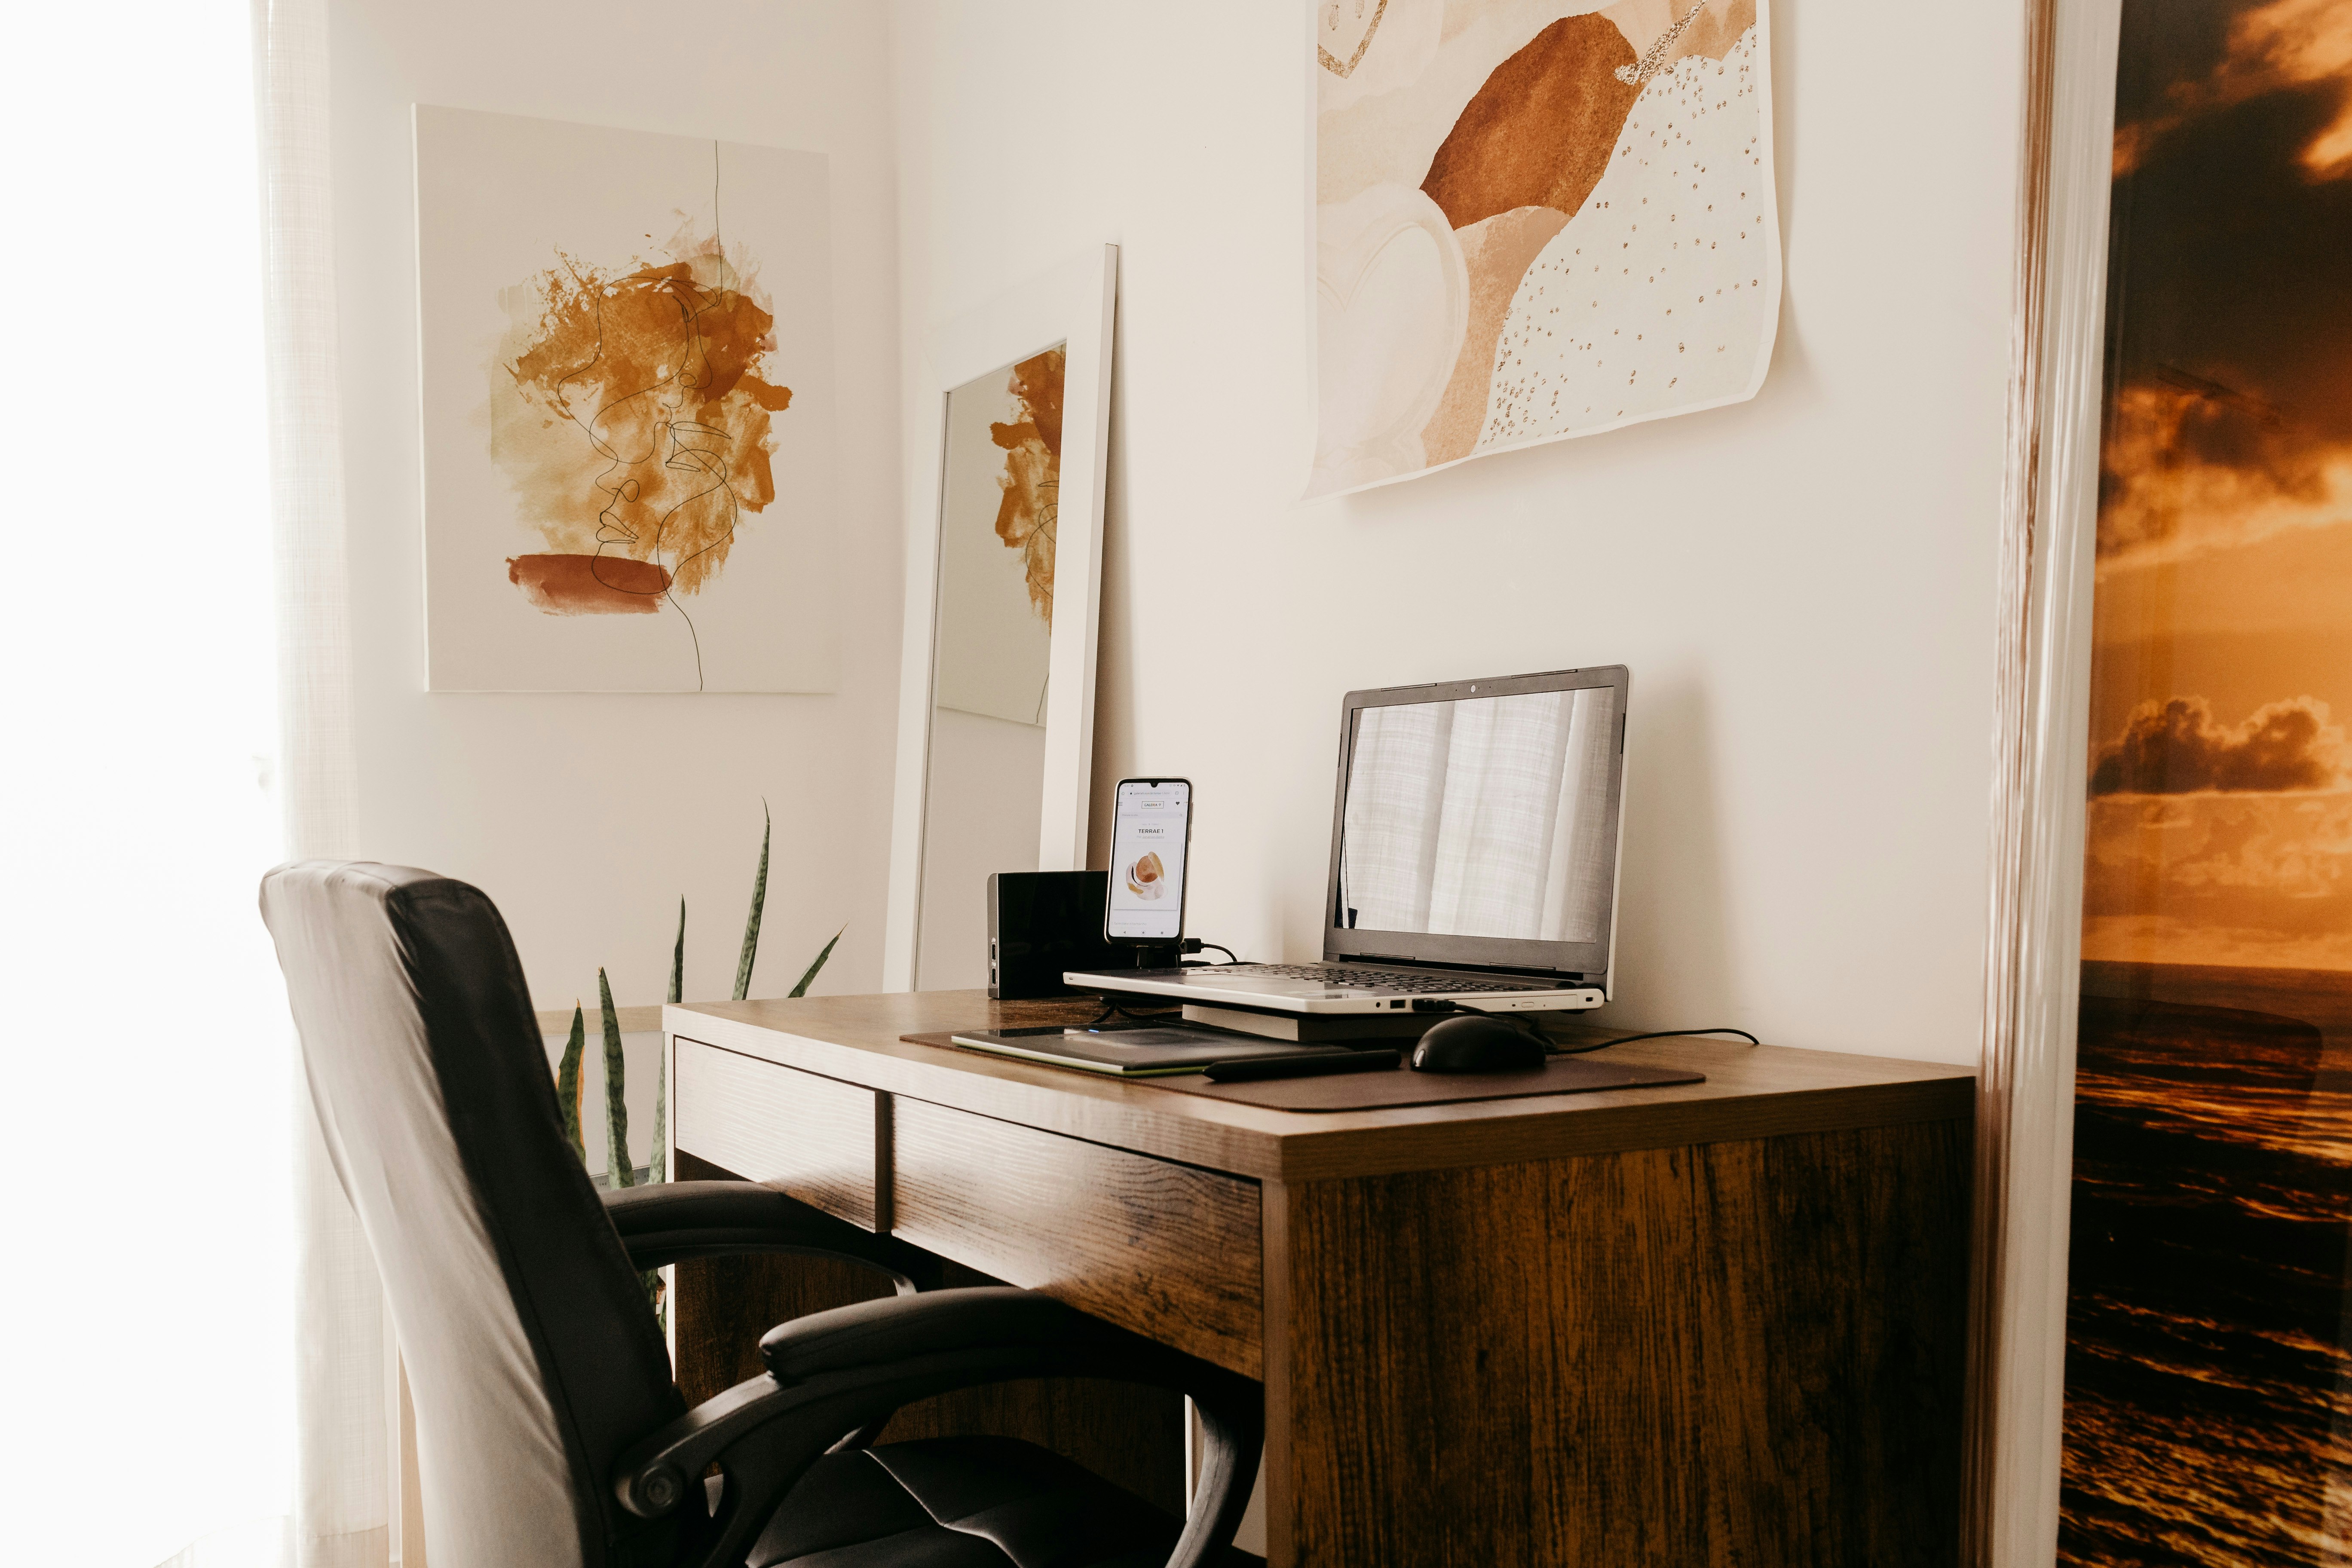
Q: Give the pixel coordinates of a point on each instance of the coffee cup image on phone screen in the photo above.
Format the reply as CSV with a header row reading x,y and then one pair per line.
x,y
1148,877
1151,833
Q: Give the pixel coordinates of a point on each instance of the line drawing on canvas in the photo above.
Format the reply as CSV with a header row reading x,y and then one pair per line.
x,y
650,382
627,399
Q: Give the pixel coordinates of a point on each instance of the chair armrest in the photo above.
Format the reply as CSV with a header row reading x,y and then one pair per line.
x,y
668,1222
946,1323
850,1367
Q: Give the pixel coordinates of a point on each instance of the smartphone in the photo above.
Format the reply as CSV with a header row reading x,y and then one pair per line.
x,y
1151,830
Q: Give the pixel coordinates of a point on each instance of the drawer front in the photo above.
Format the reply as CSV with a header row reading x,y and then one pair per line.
x,y
817,1137
1170,1251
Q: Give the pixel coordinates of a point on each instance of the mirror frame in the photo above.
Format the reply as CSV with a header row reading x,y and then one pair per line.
x,y
1072,305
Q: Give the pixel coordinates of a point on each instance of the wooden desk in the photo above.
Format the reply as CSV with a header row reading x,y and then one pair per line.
x,y
1716,1323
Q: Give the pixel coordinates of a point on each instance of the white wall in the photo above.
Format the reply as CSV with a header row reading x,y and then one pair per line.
x,y
1802,585
978,766
587,818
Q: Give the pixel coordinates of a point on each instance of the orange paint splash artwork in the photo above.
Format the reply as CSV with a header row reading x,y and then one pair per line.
x,y
627,410
630,409
1032,480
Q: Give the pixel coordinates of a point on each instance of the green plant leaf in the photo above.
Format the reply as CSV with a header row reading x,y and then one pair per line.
x,y
619,1169
802,989
677,958
759,902
658,1157
567,1082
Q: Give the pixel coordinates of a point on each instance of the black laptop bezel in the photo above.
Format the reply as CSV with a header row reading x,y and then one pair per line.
x,y
1584,961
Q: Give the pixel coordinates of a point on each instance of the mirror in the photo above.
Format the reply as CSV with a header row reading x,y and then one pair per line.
x,y
985,780
997,694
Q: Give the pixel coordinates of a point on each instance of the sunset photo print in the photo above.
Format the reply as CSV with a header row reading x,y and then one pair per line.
x,y
2209,1392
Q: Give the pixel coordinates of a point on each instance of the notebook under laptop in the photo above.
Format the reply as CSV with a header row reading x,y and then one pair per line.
x,y
1474,856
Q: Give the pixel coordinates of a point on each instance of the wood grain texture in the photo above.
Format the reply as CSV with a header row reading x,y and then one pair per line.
x,y
1397,1086
1745,1353
721,1306
1170,1251
1131,1436
1749,1093
814,1136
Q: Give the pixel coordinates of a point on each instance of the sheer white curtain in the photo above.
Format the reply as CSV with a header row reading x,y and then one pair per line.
x,y
165,745
345,1497
148,1380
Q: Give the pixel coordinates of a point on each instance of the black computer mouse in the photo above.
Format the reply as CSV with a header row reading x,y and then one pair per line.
x,y
1474,1042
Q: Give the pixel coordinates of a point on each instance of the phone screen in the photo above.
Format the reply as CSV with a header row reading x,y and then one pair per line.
x,y
1149,836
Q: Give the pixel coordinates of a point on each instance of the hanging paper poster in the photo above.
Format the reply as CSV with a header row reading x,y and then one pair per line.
x,y
1535,220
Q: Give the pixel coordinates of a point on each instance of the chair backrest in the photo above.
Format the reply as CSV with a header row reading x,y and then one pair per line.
x,y
532,1356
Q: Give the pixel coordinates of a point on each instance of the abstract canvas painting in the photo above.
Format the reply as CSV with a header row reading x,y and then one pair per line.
x,y
627,387
2208,1328
1535,219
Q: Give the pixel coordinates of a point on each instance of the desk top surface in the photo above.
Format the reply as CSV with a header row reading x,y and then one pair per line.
x,y
1749,1092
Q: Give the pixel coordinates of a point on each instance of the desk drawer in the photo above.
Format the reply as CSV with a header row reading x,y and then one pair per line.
x,y
1165,1250
817,1136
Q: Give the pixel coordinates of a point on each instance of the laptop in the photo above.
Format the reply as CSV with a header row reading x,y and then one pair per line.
x,y
1474,856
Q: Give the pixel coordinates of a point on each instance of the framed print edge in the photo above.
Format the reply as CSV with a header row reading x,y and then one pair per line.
x,y
2040,746
483,494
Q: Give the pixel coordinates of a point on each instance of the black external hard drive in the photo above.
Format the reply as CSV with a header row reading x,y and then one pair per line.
x,y
1042,924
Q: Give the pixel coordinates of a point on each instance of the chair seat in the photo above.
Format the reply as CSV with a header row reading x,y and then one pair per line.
x,y
965,1502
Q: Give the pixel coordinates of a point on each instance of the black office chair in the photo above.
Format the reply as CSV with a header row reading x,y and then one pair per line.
x,y
549,1432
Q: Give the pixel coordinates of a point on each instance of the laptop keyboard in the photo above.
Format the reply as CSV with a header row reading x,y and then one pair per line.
x,y
1337,974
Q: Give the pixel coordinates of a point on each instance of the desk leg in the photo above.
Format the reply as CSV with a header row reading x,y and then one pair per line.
x,y
1745,1353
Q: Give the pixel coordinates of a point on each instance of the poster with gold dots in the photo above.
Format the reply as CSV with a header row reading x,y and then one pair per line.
x,y
1535,219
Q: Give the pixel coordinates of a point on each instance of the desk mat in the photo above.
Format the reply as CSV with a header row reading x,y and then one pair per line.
x,y
1385,1090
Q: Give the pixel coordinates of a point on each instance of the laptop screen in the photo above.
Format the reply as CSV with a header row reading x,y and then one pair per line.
x,y
1482,816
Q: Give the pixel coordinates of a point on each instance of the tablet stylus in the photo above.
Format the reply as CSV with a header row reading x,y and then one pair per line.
x,y
1301,1066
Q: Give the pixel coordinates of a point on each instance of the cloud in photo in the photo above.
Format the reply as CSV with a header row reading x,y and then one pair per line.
x,y
2244,878
2186,466
2228,366
2176,747
2168,938
2285,45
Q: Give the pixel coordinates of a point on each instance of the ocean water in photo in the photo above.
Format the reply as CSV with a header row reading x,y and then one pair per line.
x,y
2208,1409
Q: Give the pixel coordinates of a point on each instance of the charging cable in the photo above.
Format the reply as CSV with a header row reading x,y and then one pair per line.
x,y
1652,1034
1527,1024
1114,1011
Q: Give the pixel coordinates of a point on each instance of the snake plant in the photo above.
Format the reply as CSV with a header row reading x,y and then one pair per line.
x,y
657,1159
809,974
750,953
620,1171
567,1083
